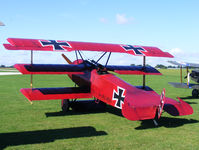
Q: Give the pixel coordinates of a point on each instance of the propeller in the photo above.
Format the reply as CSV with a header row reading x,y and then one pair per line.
x,y
66,58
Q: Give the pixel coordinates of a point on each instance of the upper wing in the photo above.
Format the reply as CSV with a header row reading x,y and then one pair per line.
x,y
60,45
185,64
137,70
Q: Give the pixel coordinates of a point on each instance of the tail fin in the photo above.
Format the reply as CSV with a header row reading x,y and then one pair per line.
x,y
162,102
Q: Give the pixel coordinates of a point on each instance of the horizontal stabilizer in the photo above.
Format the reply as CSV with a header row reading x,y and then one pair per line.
x,y
50,69
56,93
67,46
176,108
136,70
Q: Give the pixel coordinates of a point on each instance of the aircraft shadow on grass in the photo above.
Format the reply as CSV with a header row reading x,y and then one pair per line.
x,y
70,113
108,109
166,122
46,136
188,98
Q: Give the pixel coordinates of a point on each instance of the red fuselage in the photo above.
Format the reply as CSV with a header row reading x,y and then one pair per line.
x,y
136,103
117,93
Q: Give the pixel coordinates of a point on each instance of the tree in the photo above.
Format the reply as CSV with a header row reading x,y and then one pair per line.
x,y
160,66
2,66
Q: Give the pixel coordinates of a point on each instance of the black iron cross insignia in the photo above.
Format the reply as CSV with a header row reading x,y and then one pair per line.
x,y
136,50
119,97
56,45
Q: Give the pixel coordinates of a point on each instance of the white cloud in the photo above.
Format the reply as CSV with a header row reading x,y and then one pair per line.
x,y
103,20
122,19
185,56
177,51
2,24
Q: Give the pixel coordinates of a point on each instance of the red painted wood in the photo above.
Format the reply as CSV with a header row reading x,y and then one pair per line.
x,y
35,44
36,95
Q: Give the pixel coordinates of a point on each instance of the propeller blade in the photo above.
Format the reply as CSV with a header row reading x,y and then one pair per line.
x,y
66,58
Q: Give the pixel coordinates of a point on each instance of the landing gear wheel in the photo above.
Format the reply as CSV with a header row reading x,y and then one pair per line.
x,y
65,105
195,93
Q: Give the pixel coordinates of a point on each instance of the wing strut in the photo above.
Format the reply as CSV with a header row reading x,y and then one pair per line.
x,y
76,56
181,73
31,76
80,55
144,77
101,56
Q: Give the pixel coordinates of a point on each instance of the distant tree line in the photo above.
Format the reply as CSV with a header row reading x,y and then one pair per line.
x,y
139,65
4,66
159,66
170,67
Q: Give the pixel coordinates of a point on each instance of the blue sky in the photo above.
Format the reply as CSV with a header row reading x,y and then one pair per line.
x,y
171,25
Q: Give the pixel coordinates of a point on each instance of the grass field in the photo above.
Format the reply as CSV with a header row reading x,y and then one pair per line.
x,y
43,126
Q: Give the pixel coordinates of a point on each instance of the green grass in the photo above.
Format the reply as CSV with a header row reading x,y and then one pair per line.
x,y
8,70
26,126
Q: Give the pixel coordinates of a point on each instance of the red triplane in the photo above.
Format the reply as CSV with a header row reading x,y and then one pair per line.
x,y
94,80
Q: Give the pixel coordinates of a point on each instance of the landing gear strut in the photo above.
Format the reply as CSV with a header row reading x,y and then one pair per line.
x,y
155,122
195,93
65,105
82,105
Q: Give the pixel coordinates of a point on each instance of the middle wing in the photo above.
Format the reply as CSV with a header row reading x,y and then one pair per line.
x,y
78,69
136,70
50,68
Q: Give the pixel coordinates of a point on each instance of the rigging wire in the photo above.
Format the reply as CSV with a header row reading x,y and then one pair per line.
x,y
101,56
108,59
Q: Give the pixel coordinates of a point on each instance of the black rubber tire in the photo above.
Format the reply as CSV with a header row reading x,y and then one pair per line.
x,y
65,105
195,93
